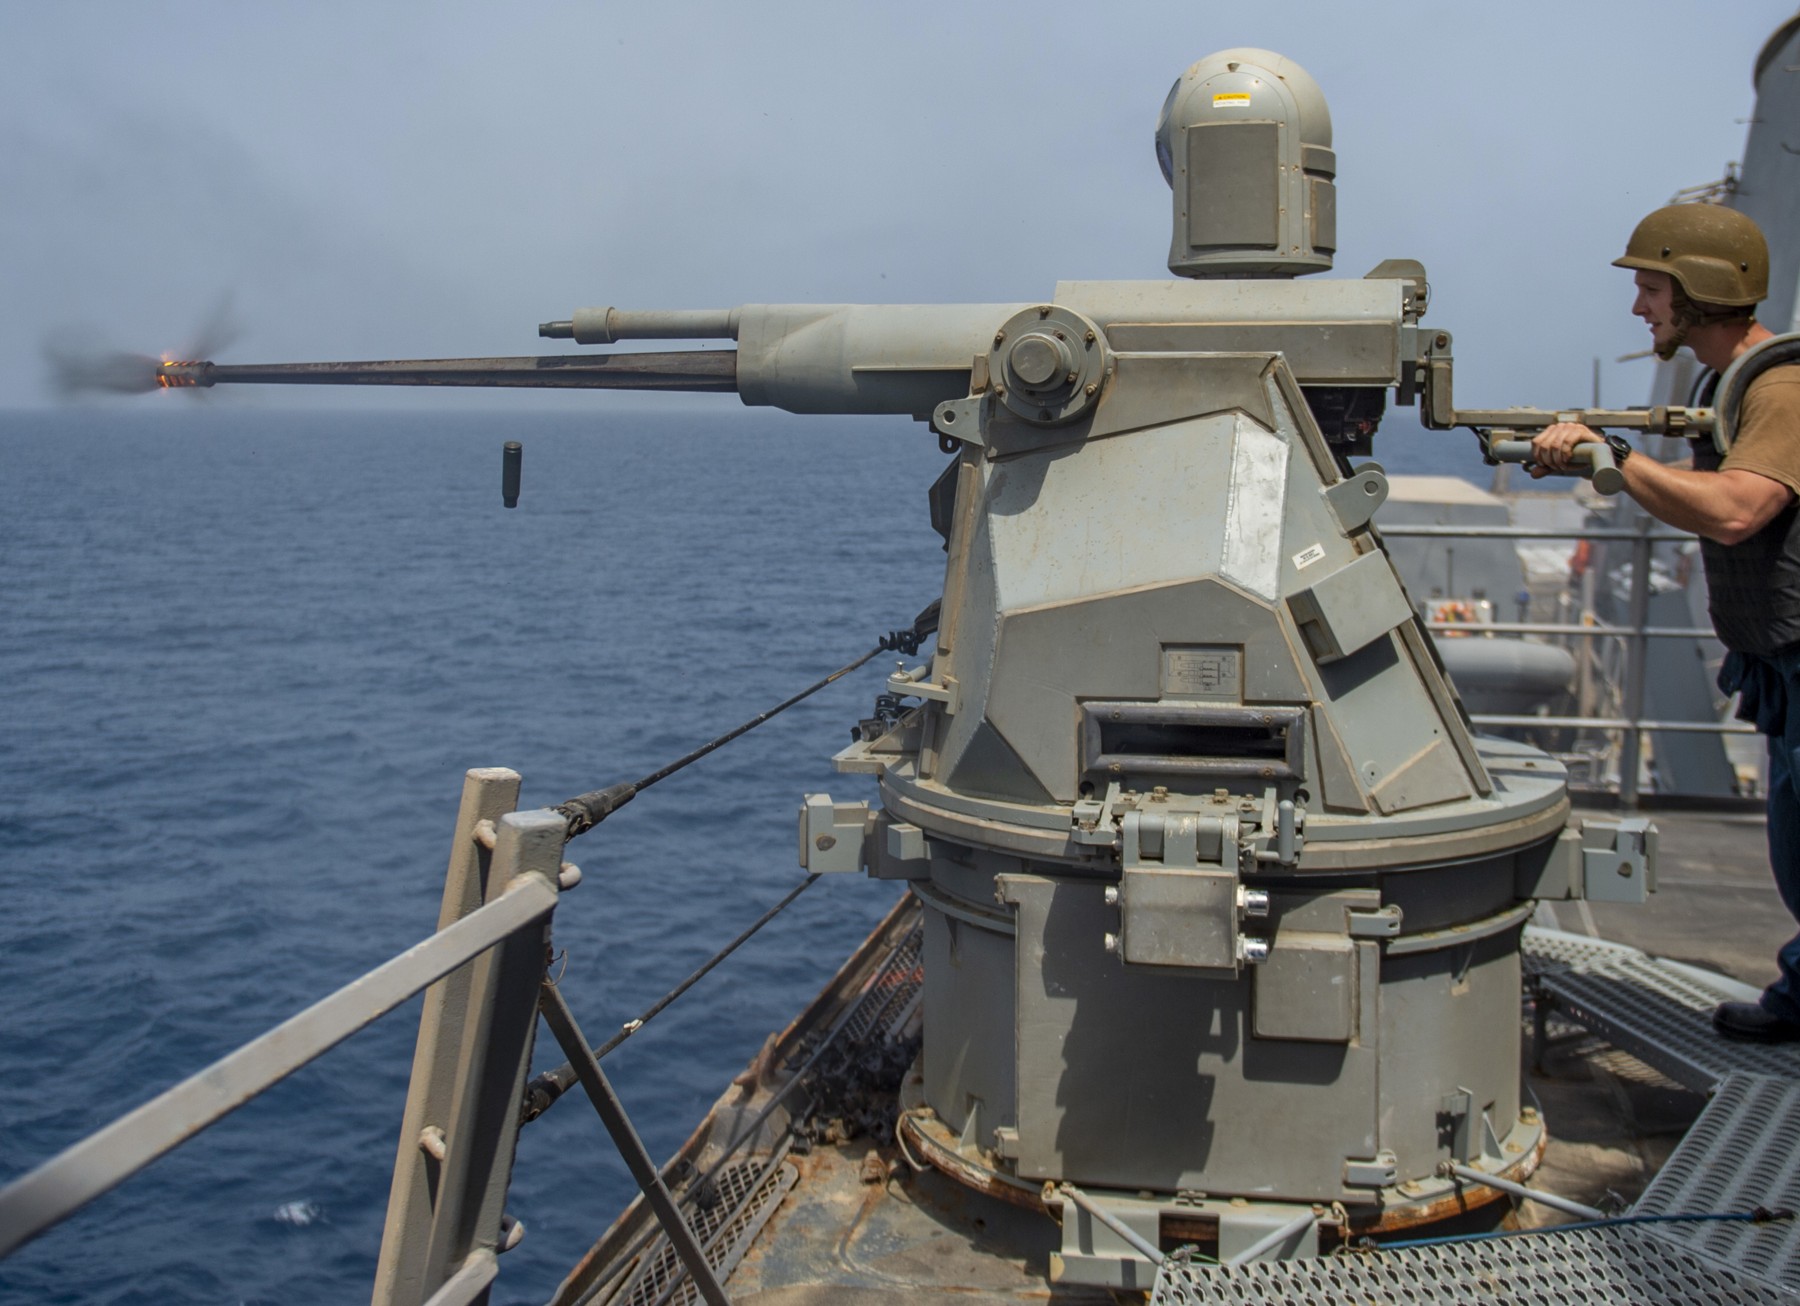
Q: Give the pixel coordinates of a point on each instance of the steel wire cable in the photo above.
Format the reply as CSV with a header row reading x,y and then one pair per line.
x,y
544,1091
585,811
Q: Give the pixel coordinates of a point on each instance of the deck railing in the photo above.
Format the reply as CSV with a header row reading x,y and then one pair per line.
x,y
1636,634
484,975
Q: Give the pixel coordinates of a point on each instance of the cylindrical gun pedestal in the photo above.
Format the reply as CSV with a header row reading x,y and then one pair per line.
x,y
1377,1040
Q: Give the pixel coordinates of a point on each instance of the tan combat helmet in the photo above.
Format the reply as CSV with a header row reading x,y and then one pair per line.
x,y
1716,255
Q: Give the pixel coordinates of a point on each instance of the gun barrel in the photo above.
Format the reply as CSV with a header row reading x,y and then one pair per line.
x,y
712,371
906,359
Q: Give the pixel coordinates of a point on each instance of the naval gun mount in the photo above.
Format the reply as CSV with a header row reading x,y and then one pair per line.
x,y
1222,894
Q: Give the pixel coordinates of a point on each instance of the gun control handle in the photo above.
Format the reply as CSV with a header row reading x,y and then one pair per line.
x,y
1601,468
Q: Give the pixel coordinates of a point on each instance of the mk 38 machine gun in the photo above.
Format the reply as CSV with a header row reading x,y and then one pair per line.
x,y
1222,894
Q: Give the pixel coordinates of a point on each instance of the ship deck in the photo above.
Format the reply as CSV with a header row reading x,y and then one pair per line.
x,y
849,1219
1614,1120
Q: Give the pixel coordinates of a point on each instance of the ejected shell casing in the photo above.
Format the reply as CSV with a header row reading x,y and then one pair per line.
x,y
512,455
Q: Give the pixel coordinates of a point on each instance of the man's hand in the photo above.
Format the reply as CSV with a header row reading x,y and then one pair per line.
x,y
1551,448
1729,505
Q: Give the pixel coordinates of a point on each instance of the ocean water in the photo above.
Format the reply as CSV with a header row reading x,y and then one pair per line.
x,y
246,656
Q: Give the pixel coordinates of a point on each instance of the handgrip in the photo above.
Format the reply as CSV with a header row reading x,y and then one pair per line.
x,y
1602,469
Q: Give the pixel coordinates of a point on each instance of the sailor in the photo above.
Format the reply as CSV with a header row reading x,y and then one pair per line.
x,y
1700,271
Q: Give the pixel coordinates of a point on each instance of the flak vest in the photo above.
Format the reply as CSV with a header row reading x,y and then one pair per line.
x,y
1754,587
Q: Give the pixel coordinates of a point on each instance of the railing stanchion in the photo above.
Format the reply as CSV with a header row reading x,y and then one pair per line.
x,y
612,1114
488,794
481,1125
1636,662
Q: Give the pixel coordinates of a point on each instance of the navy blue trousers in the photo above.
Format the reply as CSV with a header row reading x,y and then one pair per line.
x,y
1770,687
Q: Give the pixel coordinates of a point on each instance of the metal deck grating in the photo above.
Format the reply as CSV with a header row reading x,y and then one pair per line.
x,y
1743,1152
748,1192
890,993
1547,952
1663,1018
1601,1267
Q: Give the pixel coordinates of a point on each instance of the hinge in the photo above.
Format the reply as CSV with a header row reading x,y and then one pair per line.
x,y
1181,902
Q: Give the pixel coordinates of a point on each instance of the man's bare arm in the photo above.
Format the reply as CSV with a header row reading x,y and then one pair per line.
x,y
1728,506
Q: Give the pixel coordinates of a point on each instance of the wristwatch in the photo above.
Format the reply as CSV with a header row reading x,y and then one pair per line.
x,y
1620,448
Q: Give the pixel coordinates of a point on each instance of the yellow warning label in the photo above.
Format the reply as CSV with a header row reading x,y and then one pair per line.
x,y
1231,100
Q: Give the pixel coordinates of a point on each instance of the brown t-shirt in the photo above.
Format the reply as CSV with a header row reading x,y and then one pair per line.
x,y
1768,428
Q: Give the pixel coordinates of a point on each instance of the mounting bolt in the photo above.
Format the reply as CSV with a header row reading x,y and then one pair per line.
x,y
1112,896
1110,942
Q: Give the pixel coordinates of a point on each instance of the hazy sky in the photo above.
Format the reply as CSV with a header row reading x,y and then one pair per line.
x,y
404,179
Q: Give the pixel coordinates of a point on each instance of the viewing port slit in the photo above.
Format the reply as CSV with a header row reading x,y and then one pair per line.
x,y
1193,739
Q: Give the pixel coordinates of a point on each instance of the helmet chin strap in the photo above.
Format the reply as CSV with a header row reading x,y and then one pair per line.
x,y
1689,314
